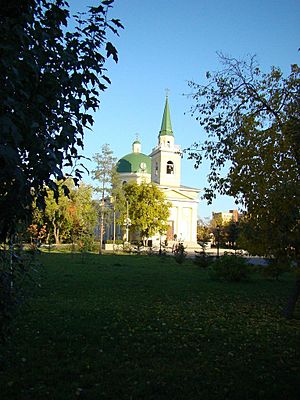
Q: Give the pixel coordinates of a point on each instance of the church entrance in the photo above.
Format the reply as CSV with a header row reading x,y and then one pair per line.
x,y
170,231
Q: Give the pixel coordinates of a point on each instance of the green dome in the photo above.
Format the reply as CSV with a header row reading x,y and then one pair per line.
x,y
134,163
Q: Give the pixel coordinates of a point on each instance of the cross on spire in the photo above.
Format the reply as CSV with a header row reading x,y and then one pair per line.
x,y
167,92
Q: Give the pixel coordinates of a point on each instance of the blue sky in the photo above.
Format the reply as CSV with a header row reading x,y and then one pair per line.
x,y
165,44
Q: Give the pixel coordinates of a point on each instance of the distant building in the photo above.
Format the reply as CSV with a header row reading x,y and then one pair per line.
x,y
225,217
162,167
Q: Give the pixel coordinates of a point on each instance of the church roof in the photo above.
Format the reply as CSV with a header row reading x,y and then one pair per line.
x,y
134,163
166,126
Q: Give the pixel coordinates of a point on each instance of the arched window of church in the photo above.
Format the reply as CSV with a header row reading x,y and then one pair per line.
x,y
170,167
156,168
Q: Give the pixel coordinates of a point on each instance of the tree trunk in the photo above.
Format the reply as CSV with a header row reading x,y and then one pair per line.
x,y
56,234
290,307
101,231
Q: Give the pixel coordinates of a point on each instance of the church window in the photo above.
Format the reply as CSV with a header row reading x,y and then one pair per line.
x,y
156,168
170,167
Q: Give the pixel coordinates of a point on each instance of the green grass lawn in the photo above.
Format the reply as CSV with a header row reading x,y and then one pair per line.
x,y
140,327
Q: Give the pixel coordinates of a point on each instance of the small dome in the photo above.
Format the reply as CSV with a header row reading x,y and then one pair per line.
x,y
134,163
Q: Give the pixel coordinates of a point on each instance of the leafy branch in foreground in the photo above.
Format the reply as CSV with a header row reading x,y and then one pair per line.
x,y
50,82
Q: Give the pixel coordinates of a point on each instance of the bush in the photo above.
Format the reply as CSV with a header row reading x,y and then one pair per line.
x,y
117,241
231,268
180,253
274,269
86,243
202,260
127,247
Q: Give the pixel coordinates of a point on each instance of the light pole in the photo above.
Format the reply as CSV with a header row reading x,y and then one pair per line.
x,y
101,222
114,225
218,241
160,252
127,222
112,202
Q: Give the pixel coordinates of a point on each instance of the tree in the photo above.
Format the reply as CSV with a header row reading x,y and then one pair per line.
x,y
252,121
147,208
56,215
217,228
232,234
68,218
118,202
50,82
82,214
103,173
203,235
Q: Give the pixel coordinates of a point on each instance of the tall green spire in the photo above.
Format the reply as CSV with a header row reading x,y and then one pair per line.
x,y
166,127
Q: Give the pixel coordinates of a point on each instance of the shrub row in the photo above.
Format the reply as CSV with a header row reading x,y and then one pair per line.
x,y
234,268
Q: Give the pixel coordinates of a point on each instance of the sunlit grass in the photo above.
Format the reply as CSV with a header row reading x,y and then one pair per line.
x,y
139,327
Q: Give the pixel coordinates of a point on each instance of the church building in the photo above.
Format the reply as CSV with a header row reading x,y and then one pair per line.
x,y
162,167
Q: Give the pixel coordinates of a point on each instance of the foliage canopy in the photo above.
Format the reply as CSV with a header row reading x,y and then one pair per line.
x,y
50,81
252,122
69,218
147,207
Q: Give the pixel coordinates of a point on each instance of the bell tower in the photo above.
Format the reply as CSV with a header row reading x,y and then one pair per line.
x,y
166,156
